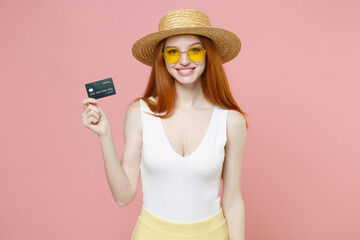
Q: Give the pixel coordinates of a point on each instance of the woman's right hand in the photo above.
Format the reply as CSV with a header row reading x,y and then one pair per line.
x,y
94,118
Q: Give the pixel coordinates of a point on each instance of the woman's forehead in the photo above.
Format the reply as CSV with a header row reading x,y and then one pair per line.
x,y
182,40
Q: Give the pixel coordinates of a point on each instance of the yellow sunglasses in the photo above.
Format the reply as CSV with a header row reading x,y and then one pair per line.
x,y
172,55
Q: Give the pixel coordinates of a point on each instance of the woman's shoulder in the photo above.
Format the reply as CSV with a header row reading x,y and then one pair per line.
x,y
133,110
144,106
236,120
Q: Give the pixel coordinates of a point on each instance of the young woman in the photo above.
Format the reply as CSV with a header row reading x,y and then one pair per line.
x,y
184,135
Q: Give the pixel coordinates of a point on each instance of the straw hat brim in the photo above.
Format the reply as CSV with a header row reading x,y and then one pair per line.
x,y
228,45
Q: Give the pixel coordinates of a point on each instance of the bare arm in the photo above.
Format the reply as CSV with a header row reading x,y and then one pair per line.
x,y
232,201
123,177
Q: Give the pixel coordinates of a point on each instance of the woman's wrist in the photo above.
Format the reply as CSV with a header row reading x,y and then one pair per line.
x,y
106,135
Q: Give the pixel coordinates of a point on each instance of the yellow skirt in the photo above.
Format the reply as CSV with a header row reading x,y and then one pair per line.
x,y
152,227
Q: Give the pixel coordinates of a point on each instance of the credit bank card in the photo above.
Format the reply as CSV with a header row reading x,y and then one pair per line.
x,y
101,88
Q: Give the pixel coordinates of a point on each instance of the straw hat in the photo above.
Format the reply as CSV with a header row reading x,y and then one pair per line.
x,y
187,21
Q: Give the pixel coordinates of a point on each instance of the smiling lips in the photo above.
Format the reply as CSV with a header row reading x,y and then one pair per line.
x,y
185,71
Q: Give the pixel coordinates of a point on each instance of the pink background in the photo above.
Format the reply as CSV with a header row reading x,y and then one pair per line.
x,y
297,77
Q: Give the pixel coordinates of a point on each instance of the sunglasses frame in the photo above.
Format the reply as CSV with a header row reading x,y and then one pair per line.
x,y
184,52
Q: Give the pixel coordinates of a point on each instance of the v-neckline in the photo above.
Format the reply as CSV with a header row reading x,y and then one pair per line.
x,y
198,147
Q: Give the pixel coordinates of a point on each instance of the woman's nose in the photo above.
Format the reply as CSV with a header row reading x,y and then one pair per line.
x,y
184,59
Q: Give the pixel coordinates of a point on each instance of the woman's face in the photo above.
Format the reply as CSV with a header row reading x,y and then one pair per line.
x,y
185,70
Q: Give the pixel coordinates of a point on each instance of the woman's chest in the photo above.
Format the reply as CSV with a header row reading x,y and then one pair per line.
x,y
186,131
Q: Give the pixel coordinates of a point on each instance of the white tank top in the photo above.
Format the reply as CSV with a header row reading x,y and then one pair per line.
x,y
177,188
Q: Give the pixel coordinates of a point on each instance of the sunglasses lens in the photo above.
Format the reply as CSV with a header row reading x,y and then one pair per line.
x,y
171,55
196,53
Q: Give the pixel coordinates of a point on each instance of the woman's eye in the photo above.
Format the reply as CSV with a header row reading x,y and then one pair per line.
x,y
172,51
196,49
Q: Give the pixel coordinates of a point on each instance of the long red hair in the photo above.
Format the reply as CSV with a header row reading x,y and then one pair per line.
x,y
214,83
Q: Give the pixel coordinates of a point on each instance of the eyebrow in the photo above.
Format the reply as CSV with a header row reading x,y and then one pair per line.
x,y
188,46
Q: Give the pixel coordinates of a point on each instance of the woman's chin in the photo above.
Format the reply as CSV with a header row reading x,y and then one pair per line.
x,y
187,80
